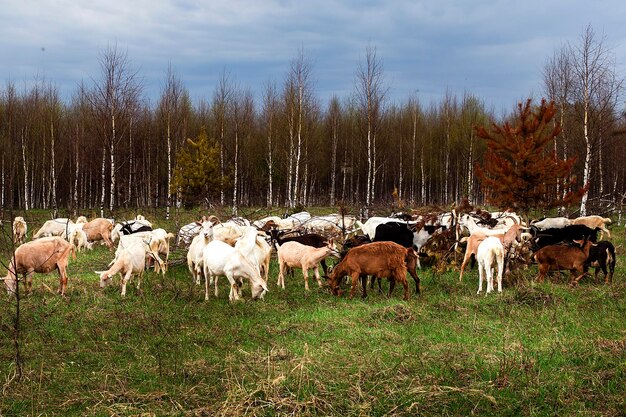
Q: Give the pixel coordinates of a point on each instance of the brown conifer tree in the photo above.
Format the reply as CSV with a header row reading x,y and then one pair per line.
x,y
520,170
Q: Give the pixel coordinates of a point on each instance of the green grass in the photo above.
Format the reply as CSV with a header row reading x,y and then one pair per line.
x,y
544,349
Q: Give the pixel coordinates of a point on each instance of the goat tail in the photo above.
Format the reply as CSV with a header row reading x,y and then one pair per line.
x,y
73,250
609,257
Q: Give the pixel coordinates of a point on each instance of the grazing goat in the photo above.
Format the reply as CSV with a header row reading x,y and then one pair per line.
x,y
563,257
507,238
297,255
601,255
255,249
43,255
552,223
219,258
79,239
19,230
54,227
490,252
594,222
99,229
129,260
379,259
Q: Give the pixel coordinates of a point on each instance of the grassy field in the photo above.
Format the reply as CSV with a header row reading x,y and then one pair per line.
x,y
545,349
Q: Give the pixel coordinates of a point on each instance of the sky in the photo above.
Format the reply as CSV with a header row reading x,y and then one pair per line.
x,y
495,50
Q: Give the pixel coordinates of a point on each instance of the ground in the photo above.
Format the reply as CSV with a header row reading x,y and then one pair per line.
x,y
535,349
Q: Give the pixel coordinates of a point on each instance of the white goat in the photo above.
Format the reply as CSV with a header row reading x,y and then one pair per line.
x,y
78,238
219,258
19,230
130,260
552,223
490,252
255,249
54,227
194,254
296,255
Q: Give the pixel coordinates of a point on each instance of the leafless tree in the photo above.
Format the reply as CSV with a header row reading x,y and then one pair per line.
x,y
115,96
370,92
597,88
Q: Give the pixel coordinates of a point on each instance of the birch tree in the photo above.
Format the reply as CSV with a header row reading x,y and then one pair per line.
x,y
370,92
596,86
333,119
172,112
270,114
113,99
297,98
221,102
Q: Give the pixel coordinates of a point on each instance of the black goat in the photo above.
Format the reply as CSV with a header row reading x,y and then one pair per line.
x,y
568,234
601,255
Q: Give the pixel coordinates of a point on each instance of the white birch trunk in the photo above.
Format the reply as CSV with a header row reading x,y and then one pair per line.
x,y
368,199
76,170
236,171
2,191
470,169
131,161
102,179
53,170
296,189
290,202
112,156
587,167
25,167
169,170
333,166
414,150
270,167
423,176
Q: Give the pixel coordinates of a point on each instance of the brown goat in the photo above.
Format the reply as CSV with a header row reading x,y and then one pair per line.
x,y
42,255
563,257
99,229
379,259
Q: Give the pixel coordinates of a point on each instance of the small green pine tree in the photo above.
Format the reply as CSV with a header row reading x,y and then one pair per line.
x,y
196,174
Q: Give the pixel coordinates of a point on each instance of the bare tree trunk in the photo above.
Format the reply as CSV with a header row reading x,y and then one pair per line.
x,y
169,169
25,168
413,153
333,165
270,167
131,163
370,168
76,169
236,169
2,202
53,170
423,176
112,156
103,182
587,167
401,172
470,169
296,189
290,196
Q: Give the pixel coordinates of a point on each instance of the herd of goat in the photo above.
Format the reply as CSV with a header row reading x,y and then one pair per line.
x,y
380,247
